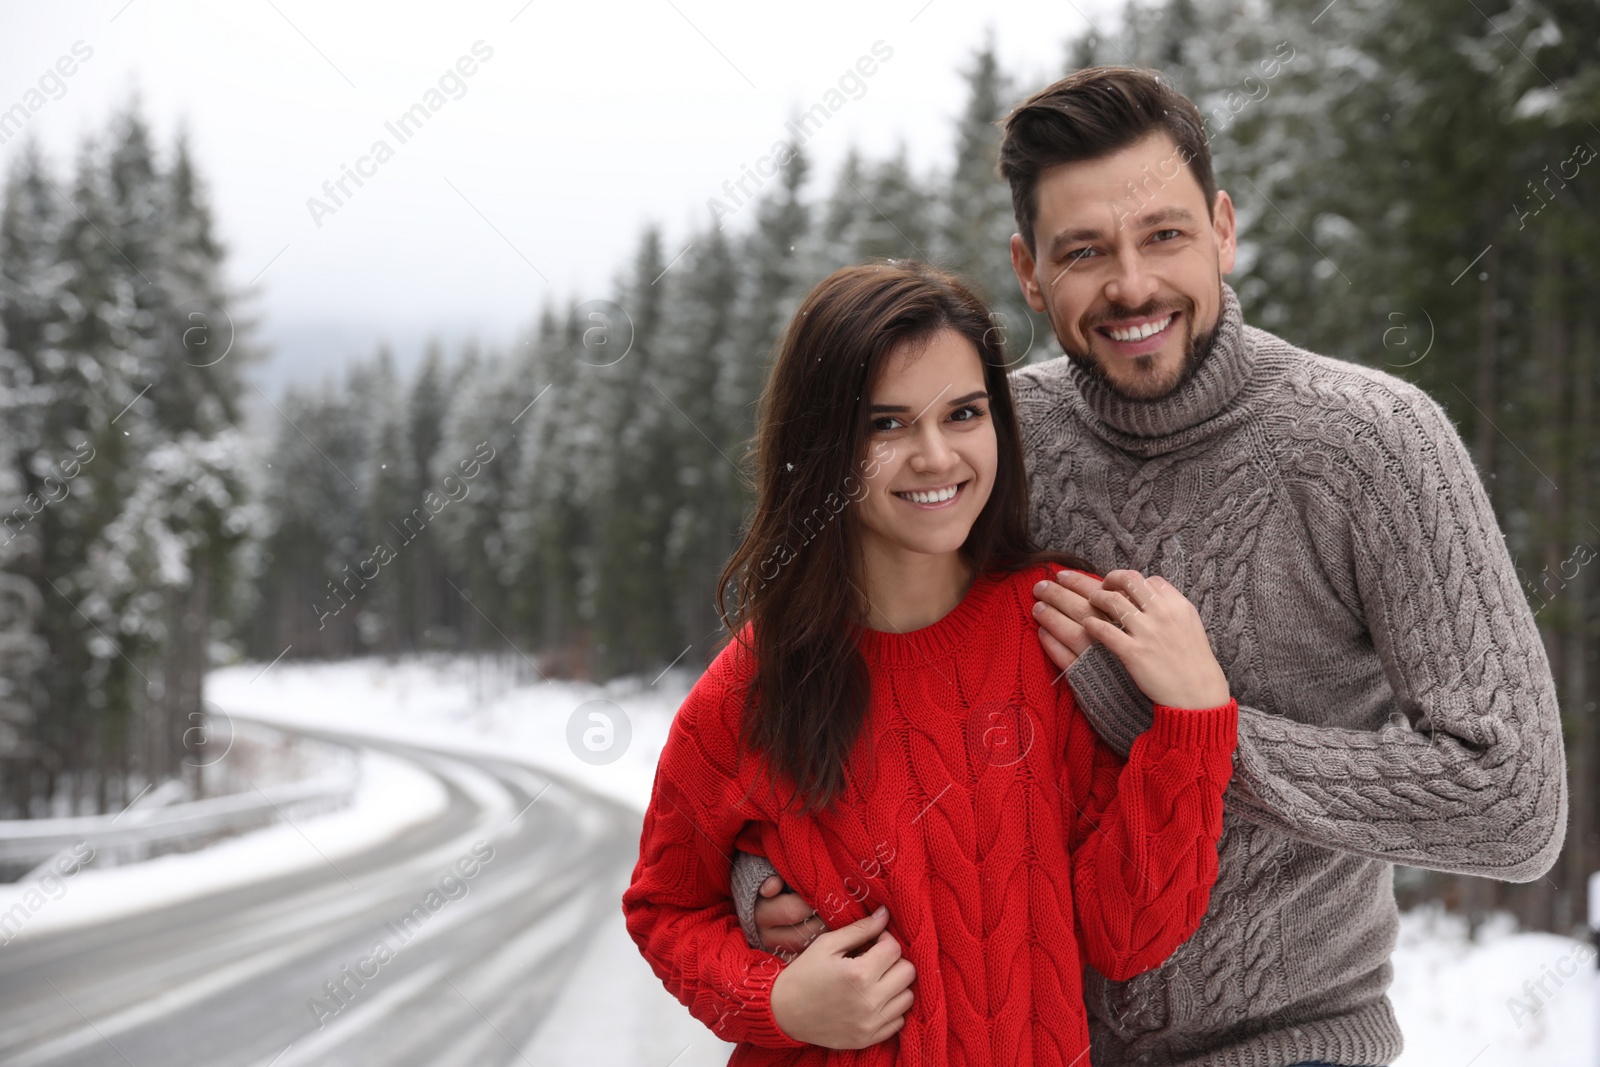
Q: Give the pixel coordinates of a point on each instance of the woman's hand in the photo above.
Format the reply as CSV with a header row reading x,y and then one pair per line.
x,y
1147,624
831,998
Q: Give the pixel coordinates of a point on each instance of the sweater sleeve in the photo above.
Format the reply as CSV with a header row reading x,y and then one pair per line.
x,y
749,871
1143,834
1468,773
678,909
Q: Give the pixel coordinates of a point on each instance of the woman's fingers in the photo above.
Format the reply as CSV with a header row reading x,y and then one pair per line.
x,y
899,977
1116,606
899,1004
1135,586
882,957
886,1031
848,938
1117,641
1069,594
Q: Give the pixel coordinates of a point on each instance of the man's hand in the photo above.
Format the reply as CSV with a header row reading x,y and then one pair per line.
x,y
1157,634
832,998
1062,606
786,923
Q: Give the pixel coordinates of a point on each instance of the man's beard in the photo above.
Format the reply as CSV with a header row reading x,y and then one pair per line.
x,y
1196,348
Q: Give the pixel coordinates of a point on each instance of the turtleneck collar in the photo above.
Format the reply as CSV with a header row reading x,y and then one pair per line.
x,y
1198,408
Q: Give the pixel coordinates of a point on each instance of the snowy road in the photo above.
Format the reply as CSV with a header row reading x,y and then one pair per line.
x,y
446,945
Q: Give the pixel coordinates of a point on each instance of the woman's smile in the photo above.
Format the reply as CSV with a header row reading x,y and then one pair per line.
x,y
931,499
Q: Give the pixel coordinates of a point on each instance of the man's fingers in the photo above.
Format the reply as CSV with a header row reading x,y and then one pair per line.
x,y
772,886
1117,642
787,940
1070,600
1059,624
1061,655
785,909
782,922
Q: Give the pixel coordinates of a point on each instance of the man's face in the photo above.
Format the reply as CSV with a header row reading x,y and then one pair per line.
x,y
1129,265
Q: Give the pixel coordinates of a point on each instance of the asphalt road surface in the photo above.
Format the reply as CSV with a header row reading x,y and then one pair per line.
x,y
290,971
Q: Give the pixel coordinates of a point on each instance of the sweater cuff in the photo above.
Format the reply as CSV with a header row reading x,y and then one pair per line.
x,y
757,1025
749,871
1116,707
1191,728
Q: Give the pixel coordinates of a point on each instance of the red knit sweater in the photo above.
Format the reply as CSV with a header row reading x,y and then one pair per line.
x,y
1011,845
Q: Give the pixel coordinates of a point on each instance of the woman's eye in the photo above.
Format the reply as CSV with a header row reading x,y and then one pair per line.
x,y
966,414
885,423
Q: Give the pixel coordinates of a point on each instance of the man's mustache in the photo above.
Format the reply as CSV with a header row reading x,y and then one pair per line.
x,y
1150,310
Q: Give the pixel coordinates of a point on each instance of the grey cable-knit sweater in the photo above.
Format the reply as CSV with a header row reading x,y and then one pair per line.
x,y
1396,704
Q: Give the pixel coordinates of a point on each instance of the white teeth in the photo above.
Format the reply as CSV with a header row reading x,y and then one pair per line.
x,y
1139,333
933,496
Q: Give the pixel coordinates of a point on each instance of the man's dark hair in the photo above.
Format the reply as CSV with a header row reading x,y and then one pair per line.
x,y
1093,113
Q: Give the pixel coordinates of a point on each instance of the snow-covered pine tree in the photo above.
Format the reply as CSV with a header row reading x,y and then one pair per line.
x,y
388,492
704,502
30,222
133,460
480,435
976,218
900,219
426,591
634,475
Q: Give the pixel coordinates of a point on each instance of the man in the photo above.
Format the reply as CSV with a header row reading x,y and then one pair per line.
x,y
1396,704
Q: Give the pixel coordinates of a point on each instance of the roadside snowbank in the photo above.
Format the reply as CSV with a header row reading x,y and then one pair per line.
x,y
471,705
392,795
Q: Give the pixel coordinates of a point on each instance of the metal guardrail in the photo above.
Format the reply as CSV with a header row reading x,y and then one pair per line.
x,y
139,833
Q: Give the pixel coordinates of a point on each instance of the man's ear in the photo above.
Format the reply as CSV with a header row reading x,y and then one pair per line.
x,y
1225,226
1022,265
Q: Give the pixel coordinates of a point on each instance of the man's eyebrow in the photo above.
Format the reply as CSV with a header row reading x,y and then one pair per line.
x,y
1163,215
1072,237
1143,222
894,409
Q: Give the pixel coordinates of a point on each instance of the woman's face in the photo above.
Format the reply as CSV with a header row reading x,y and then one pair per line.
x,y
931,446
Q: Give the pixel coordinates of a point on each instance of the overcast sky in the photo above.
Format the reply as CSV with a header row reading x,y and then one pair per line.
x,y
578,124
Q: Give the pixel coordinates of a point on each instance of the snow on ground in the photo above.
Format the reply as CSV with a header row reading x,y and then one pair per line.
x,y
391,795
477,706
1506,999
612,1009
1459,1002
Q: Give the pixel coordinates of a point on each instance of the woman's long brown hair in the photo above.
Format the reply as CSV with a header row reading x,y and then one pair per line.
x,y
796,573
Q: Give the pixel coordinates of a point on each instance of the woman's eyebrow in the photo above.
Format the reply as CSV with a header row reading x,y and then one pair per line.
x,y
893,409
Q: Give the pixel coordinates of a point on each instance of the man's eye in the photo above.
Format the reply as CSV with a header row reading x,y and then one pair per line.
x,y
1077,254
1157,235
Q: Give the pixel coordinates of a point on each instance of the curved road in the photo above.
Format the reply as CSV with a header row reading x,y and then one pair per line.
x,y
247,976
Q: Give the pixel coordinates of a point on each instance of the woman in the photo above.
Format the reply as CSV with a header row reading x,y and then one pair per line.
x,y
886,729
